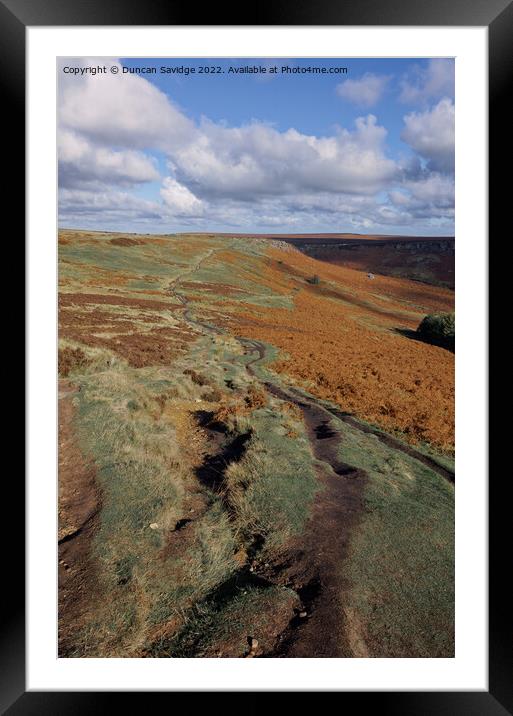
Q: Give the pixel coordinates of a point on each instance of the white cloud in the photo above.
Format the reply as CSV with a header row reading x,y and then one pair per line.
x,y
120,109
241,177
127,112
435,189
434,82
259,160
81,162
179,199
430,197
76,205
431,134
365,91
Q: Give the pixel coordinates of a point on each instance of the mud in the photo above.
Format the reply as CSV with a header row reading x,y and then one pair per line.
x,y
315,564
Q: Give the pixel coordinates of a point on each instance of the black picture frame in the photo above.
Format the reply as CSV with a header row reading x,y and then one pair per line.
x,y
497,15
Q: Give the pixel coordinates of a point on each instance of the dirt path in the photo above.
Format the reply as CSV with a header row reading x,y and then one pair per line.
x,y
314,567
313,563
79,502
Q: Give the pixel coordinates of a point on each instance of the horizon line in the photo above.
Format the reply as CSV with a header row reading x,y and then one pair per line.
x,y
257,234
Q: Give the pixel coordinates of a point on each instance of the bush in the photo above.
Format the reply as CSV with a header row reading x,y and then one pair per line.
x,y
196,378
71,359
438,328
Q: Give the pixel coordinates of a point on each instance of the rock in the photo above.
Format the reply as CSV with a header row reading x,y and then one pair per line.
x,y
303,615
154,526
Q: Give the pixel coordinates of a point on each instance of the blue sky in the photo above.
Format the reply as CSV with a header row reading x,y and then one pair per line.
x,y
369,151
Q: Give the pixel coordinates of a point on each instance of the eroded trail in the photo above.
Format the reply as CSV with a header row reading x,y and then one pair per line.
x,y
313,563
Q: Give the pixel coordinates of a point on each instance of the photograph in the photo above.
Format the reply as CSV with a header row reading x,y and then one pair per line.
x,y
256,344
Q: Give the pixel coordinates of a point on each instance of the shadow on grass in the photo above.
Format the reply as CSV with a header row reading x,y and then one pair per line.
x,y
211,471
415,336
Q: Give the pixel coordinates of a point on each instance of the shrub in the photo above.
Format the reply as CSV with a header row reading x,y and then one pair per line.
x,y
438,328
255,398
196,377
71,359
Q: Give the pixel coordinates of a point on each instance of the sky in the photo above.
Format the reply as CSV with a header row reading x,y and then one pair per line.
x,y
306,149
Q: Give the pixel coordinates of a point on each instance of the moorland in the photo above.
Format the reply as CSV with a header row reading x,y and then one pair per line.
x,y
256,456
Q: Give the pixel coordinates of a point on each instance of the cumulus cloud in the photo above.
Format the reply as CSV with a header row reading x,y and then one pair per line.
x,y
81,162
125,112
430,197
179,199
431,134
85,206
365,91
257,160
435,189
434,82
248,176
120,109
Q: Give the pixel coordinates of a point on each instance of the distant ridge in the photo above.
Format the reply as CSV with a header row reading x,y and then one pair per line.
x,y
331,236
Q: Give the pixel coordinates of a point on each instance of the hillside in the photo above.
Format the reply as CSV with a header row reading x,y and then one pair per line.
x,y
253,461
428,259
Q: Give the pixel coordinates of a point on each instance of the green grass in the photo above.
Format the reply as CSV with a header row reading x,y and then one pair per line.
x,y
143,259
271,489
144,484
208,561
401,562
143,481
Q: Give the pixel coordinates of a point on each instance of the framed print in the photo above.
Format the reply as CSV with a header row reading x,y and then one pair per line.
x,y
257,354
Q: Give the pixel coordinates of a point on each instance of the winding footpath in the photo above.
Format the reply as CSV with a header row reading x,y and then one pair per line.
x,y
314,562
